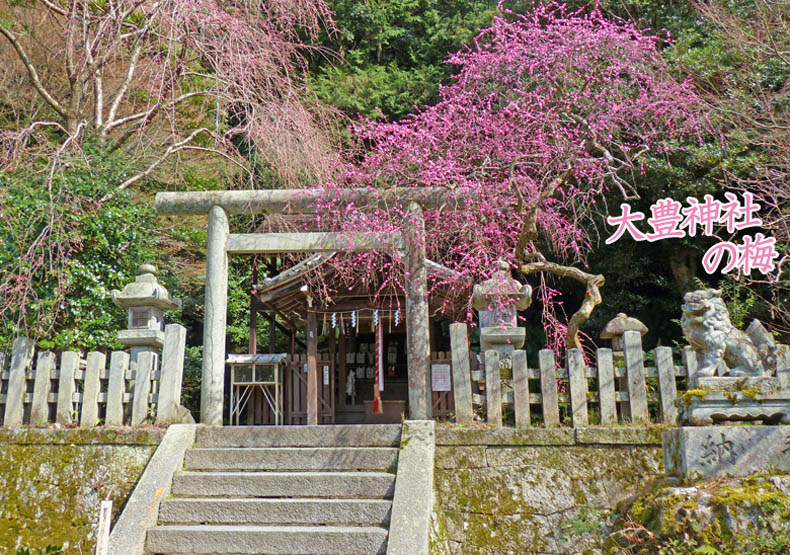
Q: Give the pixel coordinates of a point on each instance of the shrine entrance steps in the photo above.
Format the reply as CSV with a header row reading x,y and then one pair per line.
x,y
285,489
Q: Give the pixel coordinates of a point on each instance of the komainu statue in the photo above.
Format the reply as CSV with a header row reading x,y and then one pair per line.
x,y
720,347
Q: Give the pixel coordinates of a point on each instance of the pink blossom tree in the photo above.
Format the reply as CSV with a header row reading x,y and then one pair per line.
x,y
547,113
152,86
158,79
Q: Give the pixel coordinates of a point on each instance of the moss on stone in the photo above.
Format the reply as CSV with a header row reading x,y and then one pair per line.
x,y
82,436
535,498
504,436
50,491
694,394
755,492
717,513
620,435
750,393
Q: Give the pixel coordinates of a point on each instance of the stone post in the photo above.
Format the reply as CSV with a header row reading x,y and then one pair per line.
x,y
213,375
417,326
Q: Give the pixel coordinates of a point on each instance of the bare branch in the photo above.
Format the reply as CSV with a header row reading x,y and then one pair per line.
x,y
31,71
110,50
147,114
172,149
98,100
530,225
121,93
54,7
218,152
592,296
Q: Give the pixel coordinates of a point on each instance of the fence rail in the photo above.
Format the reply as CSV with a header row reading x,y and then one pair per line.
x,y
619,386
41,388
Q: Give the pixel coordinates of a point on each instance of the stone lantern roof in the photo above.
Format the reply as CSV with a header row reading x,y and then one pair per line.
x,y
145,290
501,285
621,324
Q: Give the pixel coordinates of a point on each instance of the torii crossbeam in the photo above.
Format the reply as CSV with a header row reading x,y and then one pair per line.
x,y
220,243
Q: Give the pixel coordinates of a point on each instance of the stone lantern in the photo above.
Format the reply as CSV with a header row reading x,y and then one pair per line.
x,y
497,300
617,327
145,300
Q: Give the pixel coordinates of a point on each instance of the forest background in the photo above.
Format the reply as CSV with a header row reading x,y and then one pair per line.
x,y
77,218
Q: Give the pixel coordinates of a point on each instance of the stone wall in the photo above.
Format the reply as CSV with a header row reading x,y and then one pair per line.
x,y
52,482
537,490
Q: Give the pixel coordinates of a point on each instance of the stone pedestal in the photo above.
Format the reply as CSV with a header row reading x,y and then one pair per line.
x,y
719,399
707,451
503,341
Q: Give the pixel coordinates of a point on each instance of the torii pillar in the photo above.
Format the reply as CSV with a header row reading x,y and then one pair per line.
x,y
418,343
212,388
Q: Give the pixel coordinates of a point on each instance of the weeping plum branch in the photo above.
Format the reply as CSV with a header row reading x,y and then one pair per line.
x,y
547,112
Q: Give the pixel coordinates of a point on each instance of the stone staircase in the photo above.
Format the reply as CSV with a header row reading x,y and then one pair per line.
x,y
286,489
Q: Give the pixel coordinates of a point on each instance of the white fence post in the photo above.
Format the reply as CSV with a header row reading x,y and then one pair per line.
x,y
606,396
21,358
635,370
665,369
493,389
548,388
39,407
521,389
89,412
577,378
116,387
462,384
171,374
69,364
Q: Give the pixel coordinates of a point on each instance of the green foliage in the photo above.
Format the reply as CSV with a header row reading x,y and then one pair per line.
x,y
392,52
239,286
190,387
98,247
588,520
740,300
759,542
50,550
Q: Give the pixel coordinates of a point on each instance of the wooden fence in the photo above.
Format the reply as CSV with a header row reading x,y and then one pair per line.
x,y
71,389
296,389
621,391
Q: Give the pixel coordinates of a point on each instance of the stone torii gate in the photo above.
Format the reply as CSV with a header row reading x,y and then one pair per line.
x,y
221,243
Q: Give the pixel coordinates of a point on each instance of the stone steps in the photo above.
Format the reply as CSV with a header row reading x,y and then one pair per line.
x,y
382,435
368,485
286,489
292,458
291,540
275,511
